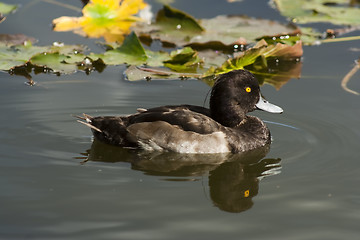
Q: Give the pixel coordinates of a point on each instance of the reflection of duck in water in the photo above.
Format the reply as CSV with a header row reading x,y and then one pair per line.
x,y
234,184
224,127
233,178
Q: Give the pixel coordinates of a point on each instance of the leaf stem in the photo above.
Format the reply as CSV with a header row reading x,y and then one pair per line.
x,y
63,5
342,39
348,76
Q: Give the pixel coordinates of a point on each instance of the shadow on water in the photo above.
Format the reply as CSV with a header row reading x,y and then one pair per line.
x,y
233,178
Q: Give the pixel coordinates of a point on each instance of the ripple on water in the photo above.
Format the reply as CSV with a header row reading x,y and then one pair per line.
x,y
310,137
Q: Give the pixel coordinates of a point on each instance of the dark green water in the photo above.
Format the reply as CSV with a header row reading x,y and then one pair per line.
x,y
306,187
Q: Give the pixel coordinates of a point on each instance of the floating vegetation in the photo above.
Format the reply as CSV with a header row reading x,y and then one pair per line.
x,y
110,19
58,58
200,48
348,76
180,29
339,12
263,51
6,9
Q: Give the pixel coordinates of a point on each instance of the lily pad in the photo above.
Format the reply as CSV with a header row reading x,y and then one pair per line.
x,y
7,8
212,59
171,26
184,60
310,36
171,19
156,59
15,56
134,73
219,32
57,62
130,52
307,11
232,30
277,73
133,53
260,50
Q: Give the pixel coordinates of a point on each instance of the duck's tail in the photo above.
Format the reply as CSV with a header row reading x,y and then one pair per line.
x,y
86,120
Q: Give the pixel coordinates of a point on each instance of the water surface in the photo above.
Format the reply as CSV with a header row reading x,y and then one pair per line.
x,y
57,184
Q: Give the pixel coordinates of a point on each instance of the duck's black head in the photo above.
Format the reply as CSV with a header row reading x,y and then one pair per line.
x,y
235,94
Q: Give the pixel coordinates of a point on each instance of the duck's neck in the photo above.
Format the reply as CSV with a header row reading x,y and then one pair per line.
x,y
225,110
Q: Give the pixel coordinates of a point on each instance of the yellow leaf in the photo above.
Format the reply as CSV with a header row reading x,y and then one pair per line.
x,y
110,19
62,24
131,7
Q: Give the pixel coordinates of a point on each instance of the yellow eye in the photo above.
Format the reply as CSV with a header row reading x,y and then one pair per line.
x,y
248,89
247,193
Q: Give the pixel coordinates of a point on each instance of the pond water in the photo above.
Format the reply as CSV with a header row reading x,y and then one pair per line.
x,y
57,184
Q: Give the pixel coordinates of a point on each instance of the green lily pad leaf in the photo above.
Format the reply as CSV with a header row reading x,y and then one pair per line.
x,y
60,58
7,8
260,50
215,33
173,20
132,46
277,73
184,60
67,49
285,39
54,61
307,11
307,35
130,52
13,56
7,64
232,30
57,62
134,73
156,59
212,58
133,53
171,24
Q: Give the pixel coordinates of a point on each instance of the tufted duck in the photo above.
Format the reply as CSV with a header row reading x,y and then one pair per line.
x,y
224,127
